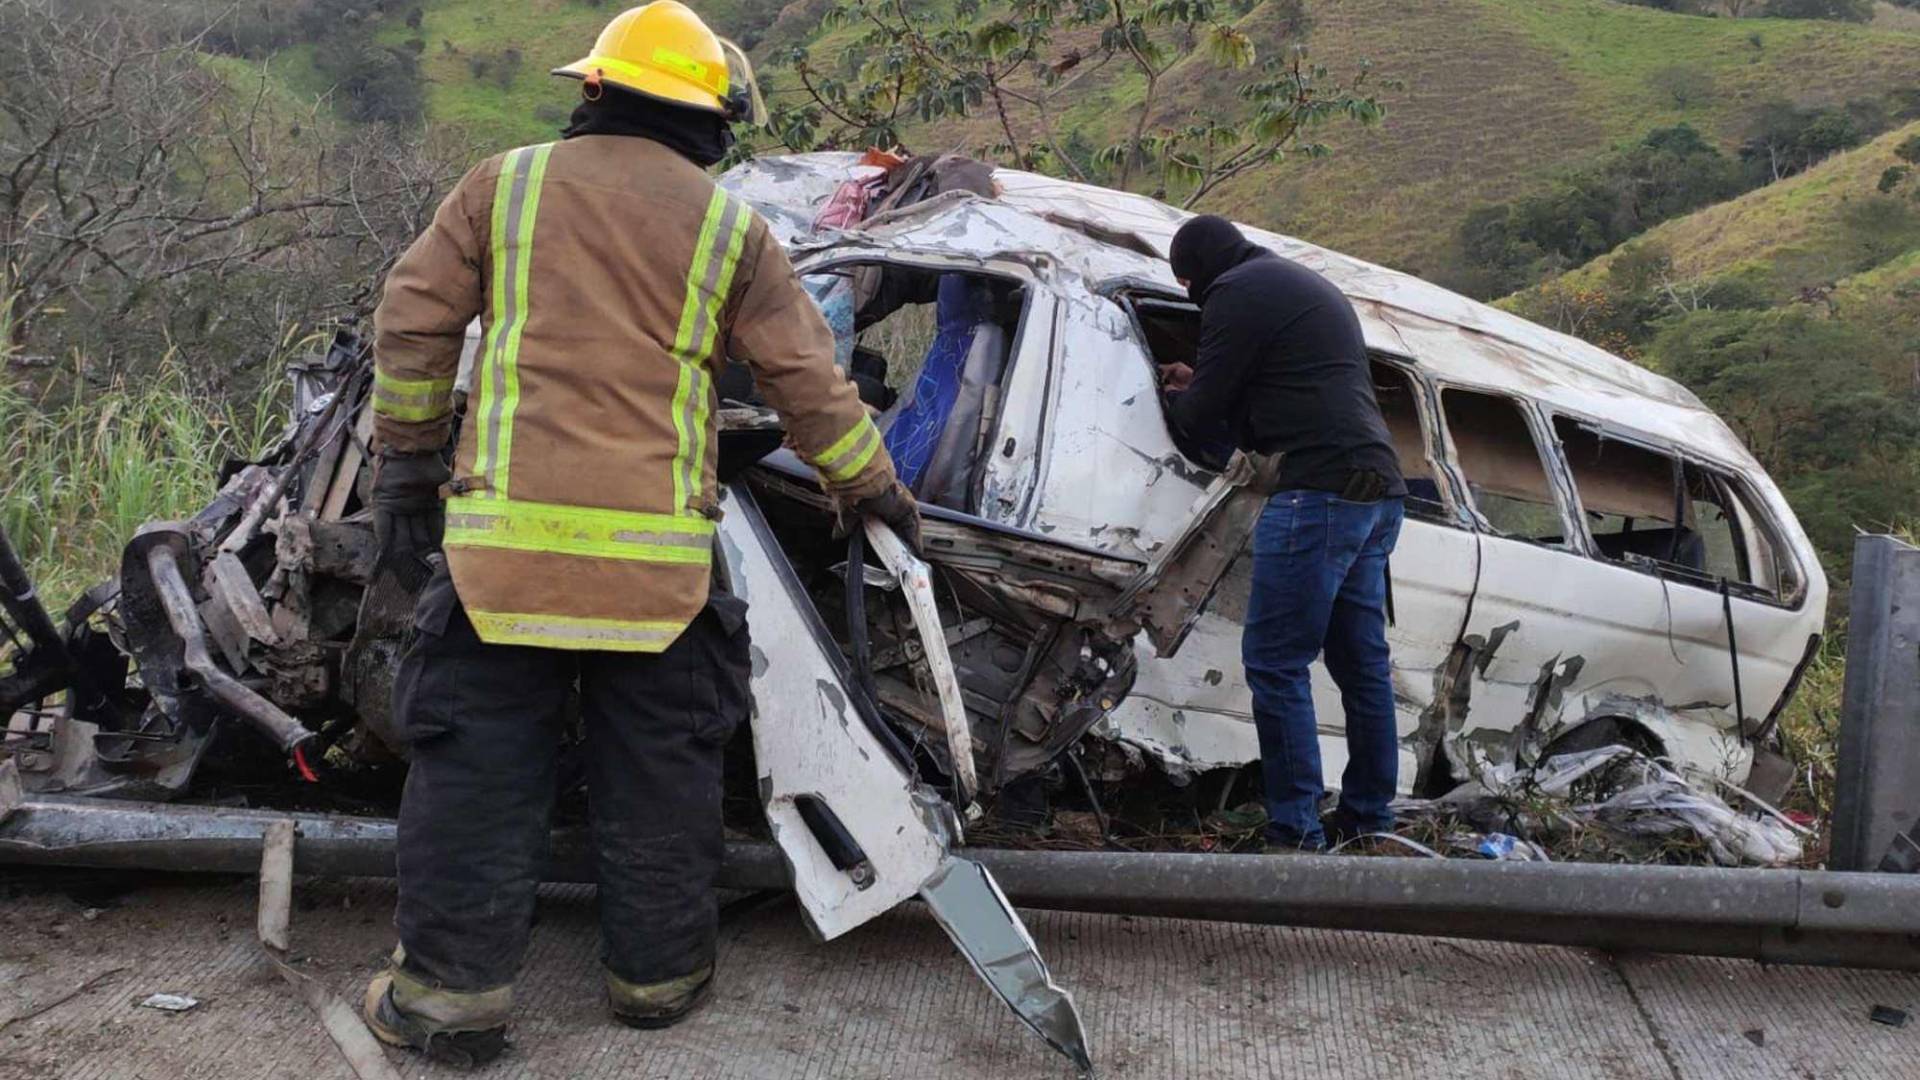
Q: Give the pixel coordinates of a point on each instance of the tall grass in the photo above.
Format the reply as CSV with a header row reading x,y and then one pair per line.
x,y
1810,728
77,478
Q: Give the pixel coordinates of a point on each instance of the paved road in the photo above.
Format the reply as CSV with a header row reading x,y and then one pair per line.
x,y
1162,998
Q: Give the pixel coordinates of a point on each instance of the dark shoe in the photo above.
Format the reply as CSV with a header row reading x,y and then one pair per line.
x,y
466,1049
1341,828
653,1006
1277,846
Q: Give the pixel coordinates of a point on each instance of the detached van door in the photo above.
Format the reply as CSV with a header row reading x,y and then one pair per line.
x,y
860,833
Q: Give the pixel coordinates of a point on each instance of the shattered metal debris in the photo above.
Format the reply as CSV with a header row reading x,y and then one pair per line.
x,y
1621,790
1756,1036
170,1002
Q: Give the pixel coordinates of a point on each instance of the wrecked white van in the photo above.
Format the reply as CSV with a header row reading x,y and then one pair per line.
x,y
1590,555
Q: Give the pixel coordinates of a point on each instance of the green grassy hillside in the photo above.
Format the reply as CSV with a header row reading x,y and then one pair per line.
x,y
486,61
1502,94
1499,95
1827,225
1794,312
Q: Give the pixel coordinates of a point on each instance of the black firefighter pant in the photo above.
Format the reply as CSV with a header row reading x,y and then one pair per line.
x,y
484,723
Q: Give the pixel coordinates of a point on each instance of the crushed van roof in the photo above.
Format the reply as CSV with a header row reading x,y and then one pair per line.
x,y
1108,238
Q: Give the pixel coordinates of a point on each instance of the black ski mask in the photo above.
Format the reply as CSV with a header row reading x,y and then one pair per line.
x,y
1205,248
700,136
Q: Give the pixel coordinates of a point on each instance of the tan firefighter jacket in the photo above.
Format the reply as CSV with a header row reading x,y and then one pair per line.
x,y
613,279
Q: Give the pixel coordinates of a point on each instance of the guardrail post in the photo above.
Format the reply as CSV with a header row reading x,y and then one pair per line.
x,y
1877,797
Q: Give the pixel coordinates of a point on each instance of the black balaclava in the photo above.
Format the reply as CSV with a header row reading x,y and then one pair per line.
x,y
700,136
1205,248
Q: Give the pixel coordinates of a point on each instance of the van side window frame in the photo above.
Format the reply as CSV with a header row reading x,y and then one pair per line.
x,y
1127,294
1552,465
1434,446
1738,503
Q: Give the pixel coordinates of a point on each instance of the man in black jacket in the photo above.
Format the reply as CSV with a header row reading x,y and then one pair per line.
x,y
1282,370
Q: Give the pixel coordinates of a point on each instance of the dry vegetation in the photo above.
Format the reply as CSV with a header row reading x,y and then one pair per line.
x,y
156,200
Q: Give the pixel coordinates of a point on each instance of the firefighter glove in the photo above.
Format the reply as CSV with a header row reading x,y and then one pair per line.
x,y
895,507
408,515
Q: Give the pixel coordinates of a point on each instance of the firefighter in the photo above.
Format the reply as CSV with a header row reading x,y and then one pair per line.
x,y
613,280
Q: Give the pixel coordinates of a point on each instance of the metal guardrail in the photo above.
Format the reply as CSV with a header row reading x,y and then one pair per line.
x,y
1876,818
1779,916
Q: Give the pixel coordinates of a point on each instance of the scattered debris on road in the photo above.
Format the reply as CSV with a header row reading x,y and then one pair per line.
x,y
175,1003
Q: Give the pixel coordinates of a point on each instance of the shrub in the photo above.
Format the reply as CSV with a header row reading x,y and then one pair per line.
x,y
76,479
1671,171
1837,10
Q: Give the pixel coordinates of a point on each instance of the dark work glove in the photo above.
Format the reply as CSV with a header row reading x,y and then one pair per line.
x,y
408,515
896,507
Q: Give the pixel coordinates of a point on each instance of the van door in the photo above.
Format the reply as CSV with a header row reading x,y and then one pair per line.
x,y
1540,610
859,831
1433,570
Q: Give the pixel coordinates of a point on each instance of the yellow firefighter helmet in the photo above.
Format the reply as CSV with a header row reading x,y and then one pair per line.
x,y
664,51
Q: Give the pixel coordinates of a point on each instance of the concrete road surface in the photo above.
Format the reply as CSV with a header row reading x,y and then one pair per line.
x,y
1162,998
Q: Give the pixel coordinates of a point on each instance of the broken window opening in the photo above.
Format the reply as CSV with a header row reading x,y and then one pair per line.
x,y
1645,506
1635,509
1740,544
1399,396
1505,472
1169,331
1171,328
928,348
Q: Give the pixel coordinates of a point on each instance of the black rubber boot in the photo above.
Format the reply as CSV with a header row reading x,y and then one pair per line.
x,y
658,1005
466,1049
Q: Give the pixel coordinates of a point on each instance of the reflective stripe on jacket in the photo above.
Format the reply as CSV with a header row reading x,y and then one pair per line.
x,y
613,279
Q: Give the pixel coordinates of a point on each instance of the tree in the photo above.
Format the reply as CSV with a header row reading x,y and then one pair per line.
x,y
1020,64
1784,139
146,202
1587,212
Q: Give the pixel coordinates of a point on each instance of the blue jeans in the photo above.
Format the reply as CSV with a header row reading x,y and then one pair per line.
x,y
1320,584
